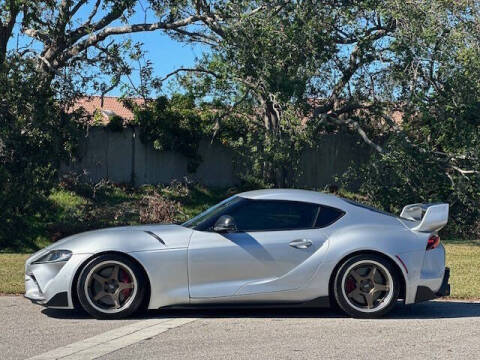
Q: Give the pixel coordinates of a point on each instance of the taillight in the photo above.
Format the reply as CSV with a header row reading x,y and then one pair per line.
x,y
433,242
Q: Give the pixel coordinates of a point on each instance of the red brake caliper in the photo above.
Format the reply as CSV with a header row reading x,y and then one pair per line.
x,y
124,278
350,285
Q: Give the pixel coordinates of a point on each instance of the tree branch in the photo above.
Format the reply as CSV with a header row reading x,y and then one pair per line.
x,y
199,70
77,7
197,37
464,172
126,29
92,13
86,28
356,126
357,59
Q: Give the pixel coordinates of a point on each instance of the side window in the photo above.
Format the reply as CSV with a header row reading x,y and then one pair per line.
x,y
257,215
327,216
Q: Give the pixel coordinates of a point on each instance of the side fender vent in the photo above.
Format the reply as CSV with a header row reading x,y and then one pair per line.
x,y
156,237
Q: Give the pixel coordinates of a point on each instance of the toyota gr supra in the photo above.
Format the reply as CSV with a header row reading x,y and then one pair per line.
x,y
265,247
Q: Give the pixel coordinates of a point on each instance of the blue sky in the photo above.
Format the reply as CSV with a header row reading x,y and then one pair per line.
x,y
165,53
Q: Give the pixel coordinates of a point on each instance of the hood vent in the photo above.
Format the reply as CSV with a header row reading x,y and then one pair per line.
x,y
156,237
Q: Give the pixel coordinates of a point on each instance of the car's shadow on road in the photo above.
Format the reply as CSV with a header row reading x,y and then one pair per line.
x,y
427,310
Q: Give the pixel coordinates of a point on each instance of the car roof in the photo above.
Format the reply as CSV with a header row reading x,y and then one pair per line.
x,y
296,195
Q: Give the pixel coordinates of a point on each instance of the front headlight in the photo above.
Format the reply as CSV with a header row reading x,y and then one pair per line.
x,y
54,256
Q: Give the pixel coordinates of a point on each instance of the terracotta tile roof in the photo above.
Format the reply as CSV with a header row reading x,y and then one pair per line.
x,y
114,106
111,106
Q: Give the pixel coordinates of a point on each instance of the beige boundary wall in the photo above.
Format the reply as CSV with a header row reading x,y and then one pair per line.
x,y
122,158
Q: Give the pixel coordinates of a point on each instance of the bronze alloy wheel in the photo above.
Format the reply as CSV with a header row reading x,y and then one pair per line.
x,y
366,286
111,286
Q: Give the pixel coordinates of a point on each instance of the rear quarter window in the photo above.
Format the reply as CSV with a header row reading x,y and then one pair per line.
x,y
327,216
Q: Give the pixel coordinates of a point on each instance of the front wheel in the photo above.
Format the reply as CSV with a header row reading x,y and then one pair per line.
x,y
111,286
366,286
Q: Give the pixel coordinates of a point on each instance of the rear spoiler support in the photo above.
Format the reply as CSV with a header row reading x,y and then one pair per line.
x,y
432,217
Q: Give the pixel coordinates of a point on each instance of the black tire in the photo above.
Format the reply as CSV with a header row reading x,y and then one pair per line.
x,y
119,294
373,293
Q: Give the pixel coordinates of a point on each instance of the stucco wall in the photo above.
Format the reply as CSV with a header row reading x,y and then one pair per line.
x,y
332,155
122,158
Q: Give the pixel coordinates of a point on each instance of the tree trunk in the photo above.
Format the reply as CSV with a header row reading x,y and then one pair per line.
x,y
6,30
4,36
273,173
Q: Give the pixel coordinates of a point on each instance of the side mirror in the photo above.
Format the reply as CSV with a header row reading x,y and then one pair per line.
x,y
225,224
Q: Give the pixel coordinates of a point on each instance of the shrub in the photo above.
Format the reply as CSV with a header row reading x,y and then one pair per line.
x,y
172,125
35,136
404,175
155,209
115,123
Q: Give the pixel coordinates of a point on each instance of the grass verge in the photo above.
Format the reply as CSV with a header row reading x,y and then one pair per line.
x,y
463,258
12,267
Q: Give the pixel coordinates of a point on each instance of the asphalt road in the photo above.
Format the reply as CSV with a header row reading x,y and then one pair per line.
x,y
432,330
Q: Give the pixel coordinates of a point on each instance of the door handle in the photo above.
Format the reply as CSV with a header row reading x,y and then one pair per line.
x,y
301,243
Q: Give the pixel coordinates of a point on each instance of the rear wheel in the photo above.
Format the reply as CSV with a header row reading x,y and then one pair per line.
x,y
366,286
111,286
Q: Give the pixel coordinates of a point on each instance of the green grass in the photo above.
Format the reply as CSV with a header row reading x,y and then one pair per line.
x,y
12,267
463,258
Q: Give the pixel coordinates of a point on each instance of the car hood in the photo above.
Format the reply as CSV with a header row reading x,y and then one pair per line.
x,y
124,239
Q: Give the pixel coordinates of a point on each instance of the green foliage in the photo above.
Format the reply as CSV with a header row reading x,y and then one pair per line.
x,y
35,136
115,123
357,60
271,62
267,159
406,175
403,175
173,124
434,154
75,206
436,159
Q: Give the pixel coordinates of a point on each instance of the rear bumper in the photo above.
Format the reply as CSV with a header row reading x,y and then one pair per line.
x,y
424,293
445,288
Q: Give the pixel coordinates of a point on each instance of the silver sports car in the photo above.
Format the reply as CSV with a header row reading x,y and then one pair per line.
x,y
270,247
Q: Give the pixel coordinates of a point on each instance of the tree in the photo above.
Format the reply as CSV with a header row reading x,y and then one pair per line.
x,y
64,46
434,154
347,66
300,59
35,136
277,74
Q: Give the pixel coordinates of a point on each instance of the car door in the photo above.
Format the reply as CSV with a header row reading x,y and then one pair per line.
x,y
274,249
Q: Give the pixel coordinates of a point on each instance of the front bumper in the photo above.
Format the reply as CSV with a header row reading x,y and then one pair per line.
x,y
49,284
59,300
424,293
32,290
36,296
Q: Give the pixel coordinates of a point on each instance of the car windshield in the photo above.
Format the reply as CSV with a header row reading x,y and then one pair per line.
x,y
212,213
